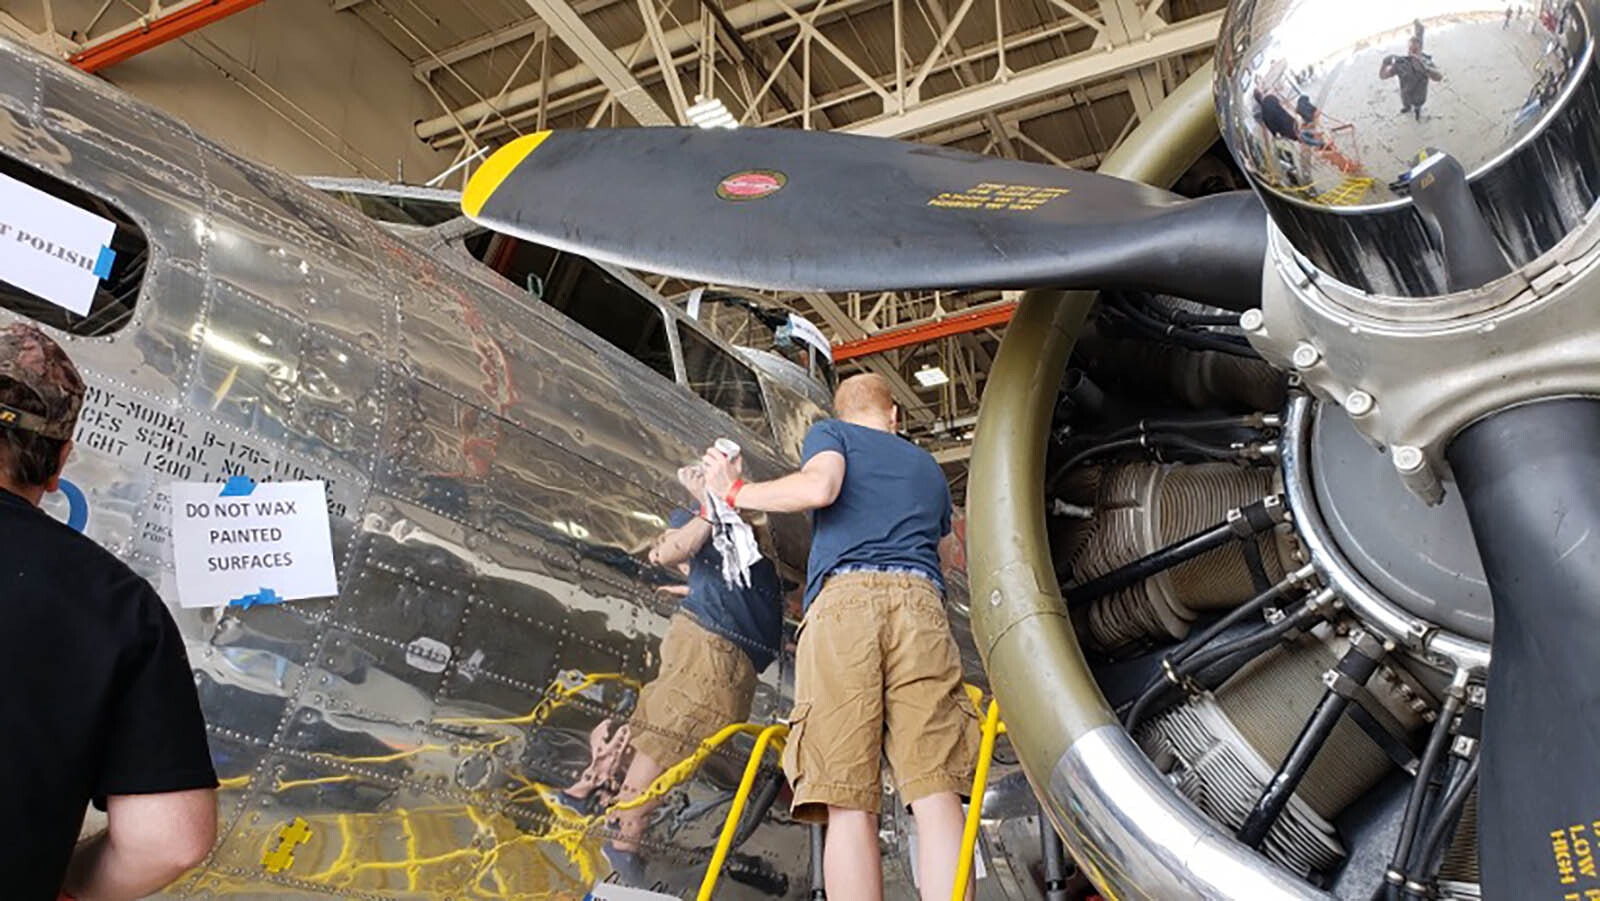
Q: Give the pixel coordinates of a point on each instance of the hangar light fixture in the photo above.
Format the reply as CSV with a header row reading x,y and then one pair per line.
x,y
931,376
710,114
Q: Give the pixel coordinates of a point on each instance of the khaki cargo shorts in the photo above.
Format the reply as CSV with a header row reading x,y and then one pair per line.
x,y
706,682
877,674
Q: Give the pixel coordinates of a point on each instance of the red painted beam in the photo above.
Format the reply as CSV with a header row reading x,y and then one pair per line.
x,y
923,332
168,27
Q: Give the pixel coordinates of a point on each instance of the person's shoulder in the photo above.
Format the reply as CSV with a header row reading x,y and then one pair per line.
x,y
78,561
826,434
829,426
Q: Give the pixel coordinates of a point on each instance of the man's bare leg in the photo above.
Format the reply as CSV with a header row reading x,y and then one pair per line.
x,y
851,870
631,823
940,821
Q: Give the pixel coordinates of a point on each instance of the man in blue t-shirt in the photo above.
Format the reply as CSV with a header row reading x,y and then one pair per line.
x,y
721,638
876,670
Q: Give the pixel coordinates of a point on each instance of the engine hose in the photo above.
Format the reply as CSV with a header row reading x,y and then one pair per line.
x,y
1082,394
1211,671
1185,443
1088,452
1181,336
1150,564
1240,613
1431,755
1143,426
1357,665
1215,665
1149,440
1243,524
1445,821
1184,317
1152,689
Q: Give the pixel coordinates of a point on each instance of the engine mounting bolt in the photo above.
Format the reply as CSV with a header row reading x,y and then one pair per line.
x,y
1408,458
1252,320
1359,403
1305,356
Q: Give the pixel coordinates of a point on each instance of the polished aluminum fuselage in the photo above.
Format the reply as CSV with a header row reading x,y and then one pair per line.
x,y
495,473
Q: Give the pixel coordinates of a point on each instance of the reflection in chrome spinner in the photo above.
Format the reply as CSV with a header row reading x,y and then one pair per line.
x,y
1326,105
447,726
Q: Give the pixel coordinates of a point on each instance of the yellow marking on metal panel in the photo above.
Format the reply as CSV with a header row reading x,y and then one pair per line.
x,y
280,855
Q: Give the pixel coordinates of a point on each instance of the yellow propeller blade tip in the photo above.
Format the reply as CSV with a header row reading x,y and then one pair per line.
x,y
495,170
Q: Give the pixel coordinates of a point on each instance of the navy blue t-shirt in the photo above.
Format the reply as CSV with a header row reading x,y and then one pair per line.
x,y
891,511
751,618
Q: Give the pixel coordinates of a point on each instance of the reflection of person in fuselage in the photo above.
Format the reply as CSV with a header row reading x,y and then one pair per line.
x,y
1414,71
720,639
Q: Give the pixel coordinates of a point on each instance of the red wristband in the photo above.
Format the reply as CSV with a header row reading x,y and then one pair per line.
x,y
732,497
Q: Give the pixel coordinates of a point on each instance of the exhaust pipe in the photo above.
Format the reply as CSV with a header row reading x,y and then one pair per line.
x,y
1129,831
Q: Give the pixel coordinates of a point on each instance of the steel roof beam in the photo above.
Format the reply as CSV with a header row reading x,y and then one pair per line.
x,y
146,34
974,319
494,40
745,15
1189,35
566,24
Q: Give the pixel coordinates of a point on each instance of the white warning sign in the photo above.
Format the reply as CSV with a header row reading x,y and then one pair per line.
x,y
246,544
52,249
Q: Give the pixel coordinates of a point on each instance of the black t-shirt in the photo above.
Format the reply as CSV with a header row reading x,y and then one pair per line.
x,y
98,698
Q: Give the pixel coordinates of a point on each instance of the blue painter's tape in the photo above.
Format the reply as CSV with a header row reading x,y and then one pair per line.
x,y
78,506
264,596
102,263
238,486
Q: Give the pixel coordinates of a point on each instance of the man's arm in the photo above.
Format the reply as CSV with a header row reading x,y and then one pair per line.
x,y
815,486
149,841
678,545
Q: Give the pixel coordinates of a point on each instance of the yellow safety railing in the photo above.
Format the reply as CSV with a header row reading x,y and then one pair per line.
x,y
993,728
773,735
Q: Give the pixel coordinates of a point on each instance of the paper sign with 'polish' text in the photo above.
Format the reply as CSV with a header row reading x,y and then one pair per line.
x,y
52,249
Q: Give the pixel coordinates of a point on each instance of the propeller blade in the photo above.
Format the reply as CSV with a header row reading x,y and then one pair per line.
x,y
818,211
1530,479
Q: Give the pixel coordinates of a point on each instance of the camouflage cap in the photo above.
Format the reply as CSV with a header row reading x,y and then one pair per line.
x,y
29,358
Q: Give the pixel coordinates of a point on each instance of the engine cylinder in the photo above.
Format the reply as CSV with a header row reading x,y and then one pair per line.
x,y
1221,748
1142,507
